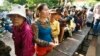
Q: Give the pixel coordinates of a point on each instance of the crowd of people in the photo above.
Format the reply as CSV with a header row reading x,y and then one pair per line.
x,y
46,28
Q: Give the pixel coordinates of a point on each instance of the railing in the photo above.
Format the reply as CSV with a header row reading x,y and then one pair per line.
x,y
70,45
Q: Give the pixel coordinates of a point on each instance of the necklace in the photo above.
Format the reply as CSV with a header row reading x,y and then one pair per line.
x,y
44,24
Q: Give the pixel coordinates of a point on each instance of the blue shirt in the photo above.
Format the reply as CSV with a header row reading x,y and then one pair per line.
x,y
44,33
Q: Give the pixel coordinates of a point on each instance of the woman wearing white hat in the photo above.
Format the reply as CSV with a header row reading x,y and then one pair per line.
x,y
22,33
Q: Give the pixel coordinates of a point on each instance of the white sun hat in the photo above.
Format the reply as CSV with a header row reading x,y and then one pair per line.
x,y
18,9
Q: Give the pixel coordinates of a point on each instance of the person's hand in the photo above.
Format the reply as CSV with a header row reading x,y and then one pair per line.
x,y
78,24
52,44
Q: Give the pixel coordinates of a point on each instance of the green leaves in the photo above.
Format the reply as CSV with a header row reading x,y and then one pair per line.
x,y
6,6
22,2
97,0
34,2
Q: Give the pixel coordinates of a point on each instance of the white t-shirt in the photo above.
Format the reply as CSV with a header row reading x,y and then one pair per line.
x,y
89,16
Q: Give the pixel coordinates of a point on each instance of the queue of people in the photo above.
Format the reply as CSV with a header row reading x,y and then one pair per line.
x,y
43,30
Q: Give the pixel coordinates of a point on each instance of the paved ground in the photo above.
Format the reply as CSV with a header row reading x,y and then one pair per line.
x,y
98,47
92,48
8,41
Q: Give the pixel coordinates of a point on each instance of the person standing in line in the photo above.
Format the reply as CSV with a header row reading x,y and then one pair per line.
x,y
43,31
22,32
55,26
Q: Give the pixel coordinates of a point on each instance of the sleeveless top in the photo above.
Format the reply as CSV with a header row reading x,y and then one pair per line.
x,y
44,33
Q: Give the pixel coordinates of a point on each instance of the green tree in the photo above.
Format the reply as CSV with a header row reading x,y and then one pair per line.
x,y
97,0
22,2
35,2
6,6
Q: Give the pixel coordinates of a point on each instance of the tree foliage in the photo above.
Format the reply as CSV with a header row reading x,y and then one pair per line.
x,y
34,2
97,0
6,6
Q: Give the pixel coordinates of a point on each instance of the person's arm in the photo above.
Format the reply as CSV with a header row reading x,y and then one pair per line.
x,y
94,11
26,43
57,31
36,39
